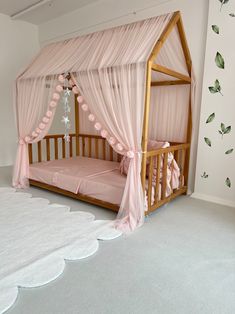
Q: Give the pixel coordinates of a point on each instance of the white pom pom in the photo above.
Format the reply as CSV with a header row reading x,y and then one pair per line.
x,y
119,147
56,96
91,117
98,126
112,141
104,133
80,99
84,107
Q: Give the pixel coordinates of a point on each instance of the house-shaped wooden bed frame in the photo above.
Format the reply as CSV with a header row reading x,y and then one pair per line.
x,y
84,144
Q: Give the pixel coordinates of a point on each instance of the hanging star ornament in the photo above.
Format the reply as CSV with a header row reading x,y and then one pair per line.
x,y
67,92
65,119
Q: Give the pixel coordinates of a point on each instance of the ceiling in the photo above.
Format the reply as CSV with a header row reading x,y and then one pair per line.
x,y
40,11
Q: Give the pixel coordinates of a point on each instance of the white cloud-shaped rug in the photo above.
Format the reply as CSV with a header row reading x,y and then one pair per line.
x,y
36,237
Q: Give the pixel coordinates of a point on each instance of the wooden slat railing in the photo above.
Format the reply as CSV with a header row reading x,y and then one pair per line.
x,y
54,147
157,174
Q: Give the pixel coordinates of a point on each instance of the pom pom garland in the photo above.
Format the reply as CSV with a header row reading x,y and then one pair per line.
x,y
119,147
112,141
104,133
61,78
42,126
34,134
130,154
56,96
98,126
52,104
45,119
38,130
91,117
84,107
80,99
59,88
49,114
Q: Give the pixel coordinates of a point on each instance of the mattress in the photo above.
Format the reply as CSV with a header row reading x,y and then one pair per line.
x,y
96,178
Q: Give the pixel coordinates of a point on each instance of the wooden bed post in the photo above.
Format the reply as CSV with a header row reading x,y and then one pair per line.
x,y
146,123
76,111
189,66
151,59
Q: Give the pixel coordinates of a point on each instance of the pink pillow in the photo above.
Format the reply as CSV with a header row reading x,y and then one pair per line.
x,y
152,145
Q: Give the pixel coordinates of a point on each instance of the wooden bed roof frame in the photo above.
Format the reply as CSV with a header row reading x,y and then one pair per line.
x,y
176,20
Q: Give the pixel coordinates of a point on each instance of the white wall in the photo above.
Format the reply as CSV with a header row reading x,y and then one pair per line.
x,y
212,160
18,43
108,13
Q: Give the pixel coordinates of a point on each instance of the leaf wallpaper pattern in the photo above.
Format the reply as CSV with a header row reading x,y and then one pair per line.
x,y
215,88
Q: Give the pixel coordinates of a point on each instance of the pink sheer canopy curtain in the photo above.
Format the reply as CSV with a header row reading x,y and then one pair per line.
x,y
109,68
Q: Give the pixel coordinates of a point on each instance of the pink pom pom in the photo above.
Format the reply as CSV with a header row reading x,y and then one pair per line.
x,y
52,104
61,78
38,130
91,117
104,133
80,99
34,134
97,126
75,90
27,139
84,107
56,96
119,147
130,154
59,88
42,126
45,119
49,114
112,141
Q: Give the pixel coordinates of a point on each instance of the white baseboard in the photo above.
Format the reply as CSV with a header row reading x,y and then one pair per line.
x,y
213,199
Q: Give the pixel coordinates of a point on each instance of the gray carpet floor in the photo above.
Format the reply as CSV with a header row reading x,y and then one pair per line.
x,y
182,261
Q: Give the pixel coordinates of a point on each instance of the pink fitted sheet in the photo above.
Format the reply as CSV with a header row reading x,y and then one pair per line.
x,y
96,178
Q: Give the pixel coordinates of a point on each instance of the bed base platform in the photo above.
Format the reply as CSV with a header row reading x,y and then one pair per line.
x,y
107,205
78,196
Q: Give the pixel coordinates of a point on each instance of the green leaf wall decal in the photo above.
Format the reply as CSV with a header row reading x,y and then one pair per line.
x,y
210,118
219,60
224,129
229,151
216,88
208,141
222,3
204,175
215,28
228,182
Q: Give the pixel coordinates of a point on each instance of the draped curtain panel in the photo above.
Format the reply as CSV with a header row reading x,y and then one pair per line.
x,y
109,69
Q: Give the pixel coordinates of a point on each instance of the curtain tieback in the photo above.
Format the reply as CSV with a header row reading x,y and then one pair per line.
x,y
23,141
131,153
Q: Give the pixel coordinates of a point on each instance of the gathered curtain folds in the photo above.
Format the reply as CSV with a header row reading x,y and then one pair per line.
x,y
109,69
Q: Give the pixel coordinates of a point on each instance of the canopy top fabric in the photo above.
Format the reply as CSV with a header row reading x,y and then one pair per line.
x,y
127,44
